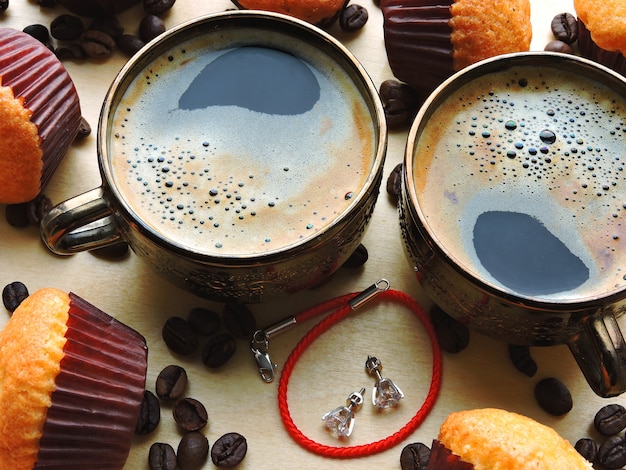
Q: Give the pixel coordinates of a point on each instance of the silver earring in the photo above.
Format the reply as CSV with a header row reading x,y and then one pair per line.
x,y
340,420
385,393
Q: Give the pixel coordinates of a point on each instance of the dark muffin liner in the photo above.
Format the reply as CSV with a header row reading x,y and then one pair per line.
x,y
36,75
441,458
417,41
590,50
98,394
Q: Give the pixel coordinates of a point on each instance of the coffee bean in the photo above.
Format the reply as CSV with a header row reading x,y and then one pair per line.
x,y
171,382
565,27
4,5
612,452
84,130
239,320
218,350
204,321
553,396
17,215
558,46
190,414
109,25
400,103
13,295
38,31
452,335
394,182
70,51
38,208
588,448
610,419
193,451
415,457
162,457
130,44
179,336
66,27
157,7
150,27
522,360
358,257
149,414
97,44
229,450
353,17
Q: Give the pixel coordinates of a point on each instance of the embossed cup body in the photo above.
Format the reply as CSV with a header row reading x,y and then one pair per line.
x,y
235,182
512,205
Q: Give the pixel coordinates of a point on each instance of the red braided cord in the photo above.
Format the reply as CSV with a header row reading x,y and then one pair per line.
x,y
321,327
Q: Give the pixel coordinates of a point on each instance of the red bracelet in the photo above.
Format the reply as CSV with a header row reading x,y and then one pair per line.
x,y
343,308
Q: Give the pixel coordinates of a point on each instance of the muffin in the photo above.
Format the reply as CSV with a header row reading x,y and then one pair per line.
x,y
39,115
602,32
492,439
318,12
95,8
428,41
72,380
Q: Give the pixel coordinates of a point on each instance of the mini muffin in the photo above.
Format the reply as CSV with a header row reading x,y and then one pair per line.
x,y
493,439
318,12
39,115
72,380
428,41
602,32
95,8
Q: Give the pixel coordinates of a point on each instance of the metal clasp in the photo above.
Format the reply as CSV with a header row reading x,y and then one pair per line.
x,y
368,294
260,344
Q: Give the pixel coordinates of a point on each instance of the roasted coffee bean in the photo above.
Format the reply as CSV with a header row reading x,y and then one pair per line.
x,y
84,130
358,257
610,419
558,46
218,350
38,208
522,360
129,44
239,320
588,448
13,295
97,44
162,457
190,414
553,396
149,414
229,450
415,457
565,27
171,382
612,452
353,17
39,32
66,27
193,451
394,182
179,336
150,27
17,215
4,5
109,25
204,321
157,7
400,103
452,335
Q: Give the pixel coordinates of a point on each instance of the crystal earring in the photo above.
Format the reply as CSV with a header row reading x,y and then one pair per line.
x,y
385,393
340,421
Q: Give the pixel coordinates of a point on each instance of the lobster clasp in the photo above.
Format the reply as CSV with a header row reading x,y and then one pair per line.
x,y
259,345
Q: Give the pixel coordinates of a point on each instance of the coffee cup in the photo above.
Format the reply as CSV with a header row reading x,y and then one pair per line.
x,y
513,205
241,155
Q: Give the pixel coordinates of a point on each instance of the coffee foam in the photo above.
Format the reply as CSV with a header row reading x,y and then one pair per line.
x,y
486,148
226,180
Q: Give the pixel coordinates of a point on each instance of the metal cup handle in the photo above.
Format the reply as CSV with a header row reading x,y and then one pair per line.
x,y
600,352
81,223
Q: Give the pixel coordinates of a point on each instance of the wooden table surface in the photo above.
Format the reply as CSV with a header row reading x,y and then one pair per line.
x,y
235,397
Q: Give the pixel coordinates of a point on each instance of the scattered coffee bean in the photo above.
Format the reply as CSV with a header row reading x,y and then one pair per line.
x,y
97,44
394,182
193,451
84,130
66,27
565,27
588,448
157,7
149,414
38,31
70,51
129,44
612,453
218,350
171,382
204,321
522,360
190,414
353,17
358,257
239,320
229,450
17,215
162,457
558,46
109,25
400,103
610,419
150,27
453,336
4,5
13,295
179,336
415,457
38,208
553,396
